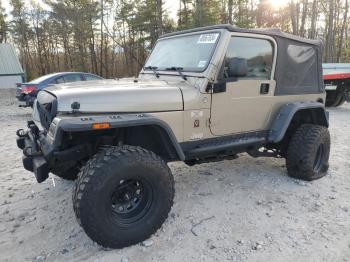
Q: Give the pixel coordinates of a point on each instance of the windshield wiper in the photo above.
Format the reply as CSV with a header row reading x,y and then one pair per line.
x,y
177,69
154,70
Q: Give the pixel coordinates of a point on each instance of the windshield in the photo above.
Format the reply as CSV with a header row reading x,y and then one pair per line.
x,y
190,53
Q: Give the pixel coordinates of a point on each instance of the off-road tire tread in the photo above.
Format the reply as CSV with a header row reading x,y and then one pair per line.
x,y
91,168
300,153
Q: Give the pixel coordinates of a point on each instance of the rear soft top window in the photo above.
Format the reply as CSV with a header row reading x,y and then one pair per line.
x,y
298,68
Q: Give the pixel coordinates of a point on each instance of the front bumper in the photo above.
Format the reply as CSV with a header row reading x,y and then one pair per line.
x,y
40,157
33,158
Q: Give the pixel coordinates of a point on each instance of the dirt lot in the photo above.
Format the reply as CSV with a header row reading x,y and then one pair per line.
x,y
240,210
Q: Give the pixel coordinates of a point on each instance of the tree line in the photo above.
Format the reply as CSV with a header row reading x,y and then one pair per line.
x,y
112,38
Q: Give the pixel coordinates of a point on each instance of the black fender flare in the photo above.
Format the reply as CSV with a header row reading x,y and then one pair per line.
x,y
285,115
84,123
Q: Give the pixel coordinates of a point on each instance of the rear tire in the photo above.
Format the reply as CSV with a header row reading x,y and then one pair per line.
x,y
123,195
333,98
308,152
341,102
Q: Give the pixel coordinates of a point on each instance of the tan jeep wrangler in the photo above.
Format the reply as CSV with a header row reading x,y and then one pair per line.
x,y
204,95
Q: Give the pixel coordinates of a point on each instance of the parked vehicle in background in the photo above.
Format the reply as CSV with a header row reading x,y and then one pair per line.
x,y
337,83
27,92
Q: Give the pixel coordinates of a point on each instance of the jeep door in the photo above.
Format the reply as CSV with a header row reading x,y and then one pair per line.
x,y
243,93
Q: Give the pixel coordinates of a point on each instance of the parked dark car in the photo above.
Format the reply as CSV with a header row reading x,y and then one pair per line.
x,y
27,92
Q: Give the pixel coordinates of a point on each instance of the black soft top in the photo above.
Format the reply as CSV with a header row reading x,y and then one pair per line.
x,y
274,32
299,60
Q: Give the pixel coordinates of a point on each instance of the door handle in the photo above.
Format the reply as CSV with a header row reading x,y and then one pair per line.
x,y
264,88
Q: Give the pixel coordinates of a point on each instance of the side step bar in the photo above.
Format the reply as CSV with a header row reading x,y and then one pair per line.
x,y
233,146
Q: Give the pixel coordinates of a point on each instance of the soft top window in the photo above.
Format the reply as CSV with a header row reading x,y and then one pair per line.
x,y
256,53
298,68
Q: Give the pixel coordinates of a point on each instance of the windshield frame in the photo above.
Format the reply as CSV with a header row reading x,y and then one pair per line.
x,y
210,57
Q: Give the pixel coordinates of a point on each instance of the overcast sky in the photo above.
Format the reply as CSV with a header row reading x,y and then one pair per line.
x,y
171,6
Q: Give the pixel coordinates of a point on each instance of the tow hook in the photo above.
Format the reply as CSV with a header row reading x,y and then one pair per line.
x,y
32,135
21,133
21,137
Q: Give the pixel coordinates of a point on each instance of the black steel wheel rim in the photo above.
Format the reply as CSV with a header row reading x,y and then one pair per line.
x,y
131,200
318,163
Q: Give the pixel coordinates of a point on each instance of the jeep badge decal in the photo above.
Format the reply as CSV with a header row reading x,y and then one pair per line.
x,y
196,123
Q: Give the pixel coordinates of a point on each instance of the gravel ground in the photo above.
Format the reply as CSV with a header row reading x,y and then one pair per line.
x,y
240,210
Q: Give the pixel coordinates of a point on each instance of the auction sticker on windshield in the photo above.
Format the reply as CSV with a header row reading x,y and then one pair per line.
x,y
207,38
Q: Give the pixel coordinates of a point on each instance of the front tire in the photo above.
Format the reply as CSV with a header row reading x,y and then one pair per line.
x,y
308,152
123,195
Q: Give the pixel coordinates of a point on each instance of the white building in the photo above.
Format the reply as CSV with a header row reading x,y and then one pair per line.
x,y
11,71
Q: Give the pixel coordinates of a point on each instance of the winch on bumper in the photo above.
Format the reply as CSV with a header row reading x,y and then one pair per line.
x,y
39,156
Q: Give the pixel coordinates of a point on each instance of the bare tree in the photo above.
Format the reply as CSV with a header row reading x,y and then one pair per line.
x,y
314,12
229,8
3,25
160,17
293,17
330,33
303,18
342,32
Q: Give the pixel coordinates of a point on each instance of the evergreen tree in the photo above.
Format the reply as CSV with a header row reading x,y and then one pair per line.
x,y
207,12
3,25
185,14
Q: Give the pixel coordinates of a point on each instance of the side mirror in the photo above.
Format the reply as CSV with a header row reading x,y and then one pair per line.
x,y
237,67
218,87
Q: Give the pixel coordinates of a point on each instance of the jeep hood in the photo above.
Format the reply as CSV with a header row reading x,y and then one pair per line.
x,y
118,96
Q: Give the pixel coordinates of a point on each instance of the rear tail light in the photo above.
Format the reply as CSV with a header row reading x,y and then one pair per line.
x,y
28,89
